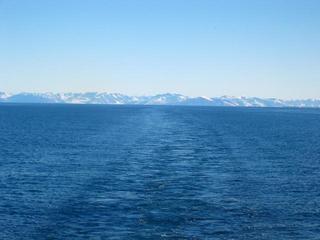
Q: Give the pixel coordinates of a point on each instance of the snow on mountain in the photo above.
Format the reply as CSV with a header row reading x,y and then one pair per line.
x,y
164,99
4,96
33,98
160,99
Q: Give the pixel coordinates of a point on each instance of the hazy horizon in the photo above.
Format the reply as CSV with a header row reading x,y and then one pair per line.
x,y
196,48
156,94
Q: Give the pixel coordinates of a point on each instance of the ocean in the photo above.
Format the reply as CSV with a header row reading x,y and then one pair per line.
x,y
158,172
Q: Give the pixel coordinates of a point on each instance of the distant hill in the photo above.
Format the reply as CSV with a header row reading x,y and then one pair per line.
x,y
160,99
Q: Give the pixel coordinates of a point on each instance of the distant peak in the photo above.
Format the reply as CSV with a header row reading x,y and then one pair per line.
x,y
158,99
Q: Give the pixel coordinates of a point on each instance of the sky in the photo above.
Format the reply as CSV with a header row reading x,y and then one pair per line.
x,y
263,48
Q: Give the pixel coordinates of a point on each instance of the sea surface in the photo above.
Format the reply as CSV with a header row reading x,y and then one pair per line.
x,y
158,172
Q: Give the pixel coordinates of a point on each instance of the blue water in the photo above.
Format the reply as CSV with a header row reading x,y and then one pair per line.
x,y
148,172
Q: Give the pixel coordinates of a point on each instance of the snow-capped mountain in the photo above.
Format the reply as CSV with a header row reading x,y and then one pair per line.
x,y
3,96
160,99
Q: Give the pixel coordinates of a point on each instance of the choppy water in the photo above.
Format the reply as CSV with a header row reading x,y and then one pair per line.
x,y
147,172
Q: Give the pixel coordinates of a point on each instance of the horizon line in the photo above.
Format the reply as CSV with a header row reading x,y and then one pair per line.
x,y
11,93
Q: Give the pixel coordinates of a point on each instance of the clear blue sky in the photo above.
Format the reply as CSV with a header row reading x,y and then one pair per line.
x,y
266,48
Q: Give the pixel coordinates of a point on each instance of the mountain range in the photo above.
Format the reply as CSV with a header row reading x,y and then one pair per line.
x,y
160,99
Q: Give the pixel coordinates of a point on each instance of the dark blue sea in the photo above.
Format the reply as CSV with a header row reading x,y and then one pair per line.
x,y
158,172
